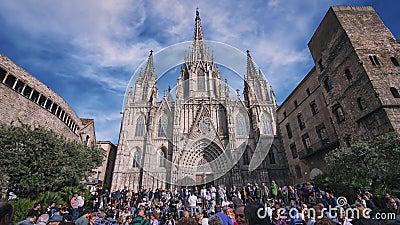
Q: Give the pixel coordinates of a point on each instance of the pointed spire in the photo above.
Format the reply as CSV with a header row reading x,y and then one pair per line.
x,y
199,51
198,31
273,98
129,97
227,94
251,69
149,71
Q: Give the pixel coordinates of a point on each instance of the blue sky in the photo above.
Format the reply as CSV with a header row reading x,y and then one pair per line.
x,y
87,51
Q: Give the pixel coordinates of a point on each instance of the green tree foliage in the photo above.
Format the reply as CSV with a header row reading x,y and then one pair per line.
x,y
39,160
370,165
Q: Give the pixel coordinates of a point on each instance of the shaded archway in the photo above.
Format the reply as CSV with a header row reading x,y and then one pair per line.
x,y
204,161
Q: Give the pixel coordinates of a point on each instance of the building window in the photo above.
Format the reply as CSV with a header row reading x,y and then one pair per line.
x,y
314,108
284,114
266,125
374,60
87,140
395,92
140,126
328,84
10,81
300,120
54,108
338,112
361,103
271,156
162,158
347,140
144,94
27,91
163,126
35,96
322,133
136,158
48,104
394,61
19,86
348,74
293,149
308,92
289,131
3,74
298,172
42,100
241,128
295,103
322,65
246,160
306,141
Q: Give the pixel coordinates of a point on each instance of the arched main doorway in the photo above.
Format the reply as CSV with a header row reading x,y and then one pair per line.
x,y
203,162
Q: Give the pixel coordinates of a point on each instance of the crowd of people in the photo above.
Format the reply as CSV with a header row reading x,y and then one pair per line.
x,y
248,205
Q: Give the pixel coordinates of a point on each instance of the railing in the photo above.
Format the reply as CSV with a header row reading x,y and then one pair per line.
x,y
330,143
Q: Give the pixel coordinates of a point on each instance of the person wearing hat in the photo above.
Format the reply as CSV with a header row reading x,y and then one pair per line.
x,y
6,213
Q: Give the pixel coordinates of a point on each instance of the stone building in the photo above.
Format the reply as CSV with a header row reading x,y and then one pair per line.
x,y
103,174
350,95
24,99
196,136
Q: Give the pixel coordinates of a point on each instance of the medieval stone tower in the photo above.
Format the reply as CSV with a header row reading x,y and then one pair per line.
x,y
203,134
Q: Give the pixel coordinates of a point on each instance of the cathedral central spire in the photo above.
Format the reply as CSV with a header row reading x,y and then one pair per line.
x,y
199,46
149,71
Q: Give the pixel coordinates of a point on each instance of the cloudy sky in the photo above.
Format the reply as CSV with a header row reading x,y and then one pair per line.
x,y
87,51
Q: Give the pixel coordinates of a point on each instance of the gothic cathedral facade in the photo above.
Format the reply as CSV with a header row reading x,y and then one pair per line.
x,y
203,134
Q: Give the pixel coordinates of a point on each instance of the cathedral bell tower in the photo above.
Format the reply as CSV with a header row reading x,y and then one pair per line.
x,y
199,76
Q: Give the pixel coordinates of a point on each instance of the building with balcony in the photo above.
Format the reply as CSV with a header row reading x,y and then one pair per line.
x,y
351,94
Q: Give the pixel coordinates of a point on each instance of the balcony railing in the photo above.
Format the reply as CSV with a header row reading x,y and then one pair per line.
x,y
330,143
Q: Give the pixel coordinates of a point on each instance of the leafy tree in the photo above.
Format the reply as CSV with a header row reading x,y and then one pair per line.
x,y
370,165
38,160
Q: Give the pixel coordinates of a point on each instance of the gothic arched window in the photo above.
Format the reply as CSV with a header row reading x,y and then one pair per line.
x,y
136,158
163,126
241,128
162,159
140,126
246,160
266,125
145,90
271,156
